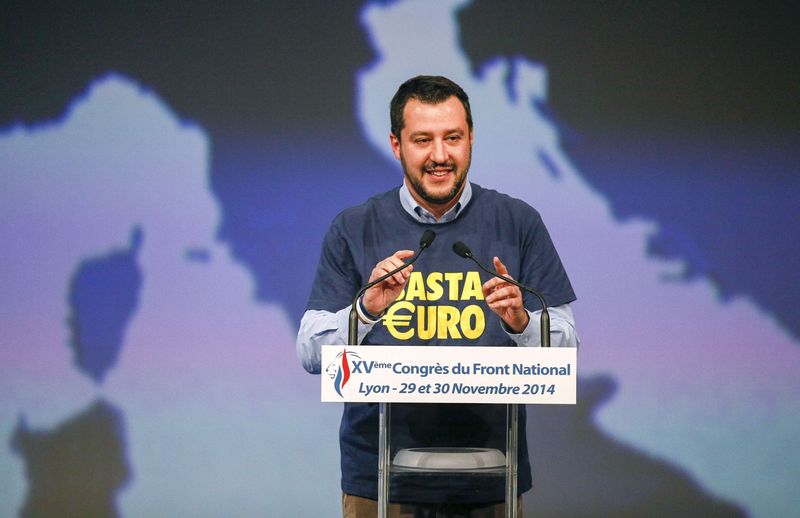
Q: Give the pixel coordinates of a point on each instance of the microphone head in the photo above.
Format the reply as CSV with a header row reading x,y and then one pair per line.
x,y
462,249
427,238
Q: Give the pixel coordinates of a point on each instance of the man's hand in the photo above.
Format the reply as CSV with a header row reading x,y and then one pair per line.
x,y
505,299
377,298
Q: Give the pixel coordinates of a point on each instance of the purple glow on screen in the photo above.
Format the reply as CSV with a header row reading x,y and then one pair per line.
x,y
215,406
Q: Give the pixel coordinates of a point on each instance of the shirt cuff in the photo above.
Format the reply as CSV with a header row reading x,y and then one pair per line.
x,y
530,336
364,316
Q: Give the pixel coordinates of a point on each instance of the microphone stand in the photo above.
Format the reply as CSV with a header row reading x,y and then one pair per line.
x,y
384,409
544,320
512,410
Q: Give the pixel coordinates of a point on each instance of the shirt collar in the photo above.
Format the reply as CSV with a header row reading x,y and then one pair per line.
x,y
416,211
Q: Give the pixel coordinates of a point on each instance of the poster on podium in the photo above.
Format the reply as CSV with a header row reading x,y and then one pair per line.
x,y
425,374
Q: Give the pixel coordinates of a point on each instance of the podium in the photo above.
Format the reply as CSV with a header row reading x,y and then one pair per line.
x,y
421,374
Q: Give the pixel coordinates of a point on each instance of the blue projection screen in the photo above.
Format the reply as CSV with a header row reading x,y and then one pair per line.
x,y
168,172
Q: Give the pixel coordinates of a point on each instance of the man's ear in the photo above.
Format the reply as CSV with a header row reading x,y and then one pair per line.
x,y
395,142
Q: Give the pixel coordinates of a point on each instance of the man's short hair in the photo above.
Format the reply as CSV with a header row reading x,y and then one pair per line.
x,y
429,90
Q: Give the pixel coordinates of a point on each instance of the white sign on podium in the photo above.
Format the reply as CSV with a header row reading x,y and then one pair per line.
x,y
430,374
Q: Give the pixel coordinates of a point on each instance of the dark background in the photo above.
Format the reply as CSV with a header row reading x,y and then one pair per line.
x,y
684,113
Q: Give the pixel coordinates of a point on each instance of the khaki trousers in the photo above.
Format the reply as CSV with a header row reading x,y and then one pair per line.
x,y
359,507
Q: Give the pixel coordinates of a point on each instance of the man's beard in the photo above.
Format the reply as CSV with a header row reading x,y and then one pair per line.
x,y
419,187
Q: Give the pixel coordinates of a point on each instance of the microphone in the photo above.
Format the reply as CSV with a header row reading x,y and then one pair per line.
x,y
463,250
352,334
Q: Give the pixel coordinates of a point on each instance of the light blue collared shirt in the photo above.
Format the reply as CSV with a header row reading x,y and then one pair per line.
x,y
423,216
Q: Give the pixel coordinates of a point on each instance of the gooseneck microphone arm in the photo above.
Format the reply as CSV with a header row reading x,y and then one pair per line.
x,y
352,334
463,250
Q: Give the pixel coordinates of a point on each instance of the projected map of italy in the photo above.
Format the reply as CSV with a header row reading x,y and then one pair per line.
x,y
135,315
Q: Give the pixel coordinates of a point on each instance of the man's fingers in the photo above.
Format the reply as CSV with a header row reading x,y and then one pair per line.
x,y
396,260
403,254
503,304
401,277
505,299
391,263
500,267
505,292
377,297
494,284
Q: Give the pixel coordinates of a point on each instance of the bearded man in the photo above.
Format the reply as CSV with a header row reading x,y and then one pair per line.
x,y
442,300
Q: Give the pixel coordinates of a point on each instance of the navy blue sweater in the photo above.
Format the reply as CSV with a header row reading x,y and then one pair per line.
x,y
445,304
